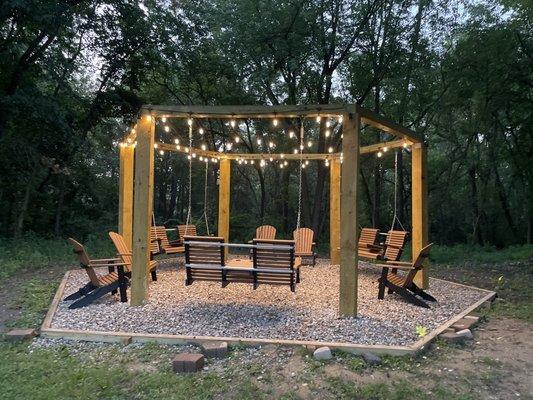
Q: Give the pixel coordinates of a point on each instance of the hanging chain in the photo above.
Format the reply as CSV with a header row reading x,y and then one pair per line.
x,y
298,220
205,200
190,182
395,217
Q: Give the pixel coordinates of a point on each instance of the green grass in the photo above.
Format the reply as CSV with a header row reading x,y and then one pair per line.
x,y
35,252
33,297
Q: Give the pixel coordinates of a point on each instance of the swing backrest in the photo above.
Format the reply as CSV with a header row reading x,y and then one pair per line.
x,y
158,233
267,232
394,245
200,250
303,239
186,230
273,254
367,237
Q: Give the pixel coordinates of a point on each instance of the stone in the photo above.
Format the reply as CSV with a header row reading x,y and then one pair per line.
x,y
215,349
15,335
188,362
322,353
458,336
371,358
464,323
465,333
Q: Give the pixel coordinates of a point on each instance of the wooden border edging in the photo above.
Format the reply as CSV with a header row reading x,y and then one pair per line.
x,y
129,337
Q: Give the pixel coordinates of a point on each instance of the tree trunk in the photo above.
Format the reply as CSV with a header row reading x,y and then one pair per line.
x,y
476,227
59,208
19,224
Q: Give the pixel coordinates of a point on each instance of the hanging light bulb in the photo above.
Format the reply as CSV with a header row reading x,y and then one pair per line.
x,y
342,135
188,157
163,119
206,160
304,165
271,159
328,123
318,118
246,161
271,144
204,147
161,152
201,158
404,145
201,131
281,165
239,161
327,163
262,163
237,139
309,143
178,147
306,162
156,145
285,163
259,141
327,133
282,155
232,123
166,128
275,122
330,150
340,119
177,141
132,130
193,155
252,162
295,151
291,134
385,149
186,149
379,154
189,121
229,146
301,147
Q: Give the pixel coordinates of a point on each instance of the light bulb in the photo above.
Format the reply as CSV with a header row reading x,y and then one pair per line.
x,y
327,133
156,145
379,154
286,163
295,151
166,128
330,150
177,141
340,119
309,143
252,162
186,149
301,147
229,146
259,141
271,159
306,162
163,119
262,163
232,123
206,160
404,145
385,149
291,134
193,155
189,121
281,165
303,165
148,117
246,161
128,140
201,158
275,122
201,131
178,147
327,163
161,152
188,157
318,118
132,130
328,124
282,155
204,147
237,139
270,144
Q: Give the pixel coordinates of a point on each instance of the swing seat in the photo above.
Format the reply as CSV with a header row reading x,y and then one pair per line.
x,y
159,234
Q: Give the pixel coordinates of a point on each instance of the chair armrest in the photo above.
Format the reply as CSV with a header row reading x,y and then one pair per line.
x,y
404,263
110,264
403,267
103,260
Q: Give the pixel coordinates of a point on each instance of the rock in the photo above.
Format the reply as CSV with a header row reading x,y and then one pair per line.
x,y
465,333
322,353
465,323
215,349
16,335
371,358
458,336
188,362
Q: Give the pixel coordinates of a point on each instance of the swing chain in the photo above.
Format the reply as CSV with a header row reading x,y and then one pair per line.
x,y
300,174
205,200
190,182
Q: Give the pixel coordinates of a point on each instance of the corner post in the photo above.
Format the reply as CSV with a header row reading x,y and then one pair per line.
x,y
142,207
419,208
125,196
348,230
335,211
224,190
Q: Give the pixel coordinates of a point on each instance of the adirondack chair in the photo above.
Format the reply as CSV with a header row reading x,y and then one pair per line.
x,y
126,255
158,234
403,284
274,263
367,247
265,232
394,245
303,239
203,262
98,285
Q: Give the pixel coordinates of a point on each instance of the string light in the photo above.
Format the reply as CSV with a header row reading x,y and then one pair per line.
x,y
189,121
271,159
132,130
281,165
379,154
327,163
186,149
306,162
163,119
271,144
161,152
178,147
303,165
259,141
286,163
201,158
318,118
156,145
166,128
275,122
237,139
340,119
404,145
193,155
301,147
282,155
262,163
309,143
232,123
177,141
229,146
291,134
206,160
330,150
328,124
252,162
385,149
201,131
327,132
295,151
204,147
188,157
246,161
128,140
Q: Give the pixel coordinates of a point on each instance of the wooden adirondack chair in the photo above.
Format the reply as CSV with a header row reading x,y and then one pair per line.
x,y
267,232
158,234
367,247
394,245
274,263
303,239
203,262
403,284
126,255
98,285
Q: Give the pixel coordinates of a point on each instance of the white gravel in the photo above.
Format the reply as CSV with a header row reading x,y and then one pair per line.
x,y
270,312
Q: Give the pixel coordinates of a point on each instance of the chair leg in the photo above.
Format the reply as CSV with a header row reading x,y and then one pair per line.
x,y
298,275
94,295
419,292
382,283
154,275
81,292
407,295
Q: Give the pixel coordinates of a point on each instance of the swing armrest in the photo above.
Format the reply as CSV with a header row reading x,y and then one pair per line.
x,y
403,267
402,263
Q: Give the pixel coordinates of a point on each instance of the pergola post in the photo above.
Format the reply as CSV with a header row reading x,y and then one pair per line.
x,y
224,198
419,208
335,211
142,207
348,203
125,196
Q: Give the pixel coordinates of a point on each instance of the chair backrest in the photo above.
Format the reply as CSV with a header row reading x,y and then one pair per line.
x,y
159,233
186,230
265,232
273,254
368,236
124,252
395,244
418,264
84,260
200,250
303,240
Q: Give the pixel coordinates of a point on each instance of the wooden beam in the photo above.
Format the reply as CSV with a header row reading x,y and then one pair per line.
x,y
382,123
393,144
335,212
125,196
142,208
348,235
240,111
224,190
419,208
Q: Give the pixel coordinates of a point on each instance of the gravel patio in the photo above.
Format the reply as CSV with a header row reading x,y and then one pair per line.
x,y
270,312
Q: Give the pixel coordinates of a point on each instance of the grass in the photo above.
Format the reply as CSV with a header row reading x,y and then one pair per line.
x,y
33,298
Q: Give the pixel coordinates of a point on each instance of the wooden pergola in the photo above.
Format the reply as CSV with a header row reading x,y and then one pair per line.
x,y
137,182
